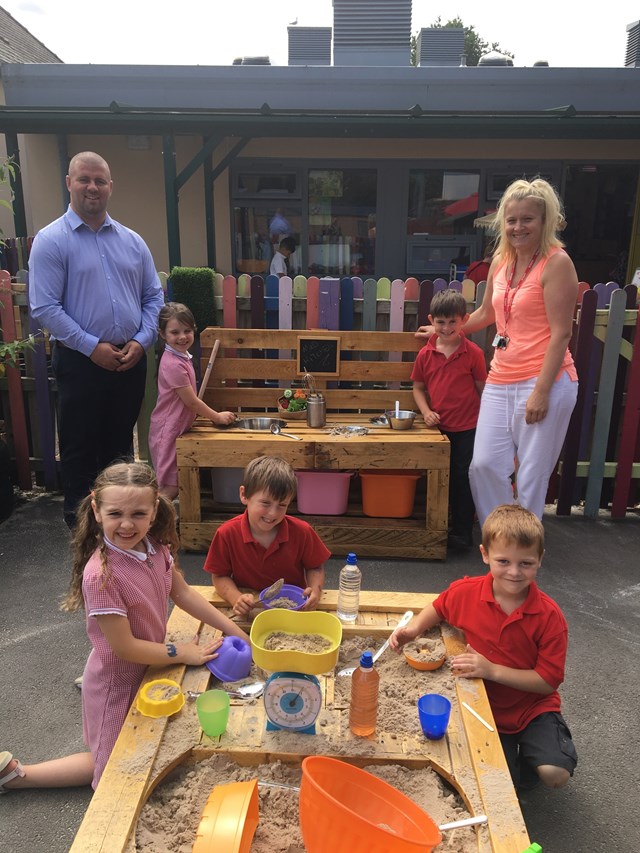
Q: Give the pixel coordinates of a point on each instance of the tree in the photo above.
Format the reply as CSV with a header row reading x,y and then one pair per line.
x,y
474,45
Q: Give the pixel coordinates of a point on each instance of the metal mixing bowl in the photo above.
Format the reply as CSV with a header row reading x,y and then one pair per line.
x,y
258,424
403,420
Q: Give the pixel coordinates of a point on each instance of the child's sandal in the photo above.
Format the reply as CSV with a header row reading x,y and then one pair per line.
x,y
5,760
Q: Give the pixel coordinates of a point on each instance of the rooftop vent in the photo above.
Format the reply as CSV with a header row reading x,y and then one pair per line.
x,y
632,59
309,45
252,60
441,46
496,59
371,32
541,63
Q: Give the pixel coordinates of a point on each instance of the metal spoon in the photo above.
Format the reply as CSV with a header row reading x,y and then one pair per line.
x,y
276,430
246,691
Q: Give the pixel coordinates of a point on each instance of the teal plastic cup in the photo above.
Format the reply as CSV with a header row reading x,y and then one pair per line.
x,y
213,712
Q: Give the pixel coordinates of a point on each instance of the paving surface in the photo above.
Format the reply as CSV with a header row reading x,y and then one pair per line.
x,y
592,568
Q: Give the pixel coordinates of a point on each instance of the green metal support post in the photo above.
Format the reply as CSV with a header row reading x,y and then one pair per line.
x,y
171,199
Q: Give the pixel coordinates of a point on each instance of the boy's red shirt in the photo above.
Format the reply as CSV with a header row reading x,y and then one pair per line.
x,y
235,553
534,637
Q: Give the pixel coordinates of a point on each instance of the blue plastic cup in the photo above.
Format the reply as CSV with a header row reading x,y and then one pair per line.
x,y
434,711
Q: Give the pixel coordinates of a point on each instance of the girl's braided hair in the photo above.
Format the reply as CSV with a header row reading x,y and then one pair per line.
x,y
88,534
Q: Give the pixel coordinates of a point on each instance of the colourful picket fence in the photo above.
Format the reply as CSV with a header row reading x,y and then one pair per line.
x,y
600,466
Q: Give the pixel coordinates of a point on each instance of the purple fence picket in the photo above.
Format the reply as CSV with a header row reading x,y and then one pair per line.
x,y
257,315
618,398
424,301
347,288
581,417
630,434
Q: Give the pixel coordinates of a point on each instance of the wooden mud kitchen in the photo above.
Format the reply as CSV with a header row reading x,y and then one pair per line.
x,y
364,376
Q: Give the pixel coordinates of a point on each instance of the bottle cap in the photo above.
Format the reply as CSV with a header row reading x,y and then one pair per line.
x,y
351,558
366,661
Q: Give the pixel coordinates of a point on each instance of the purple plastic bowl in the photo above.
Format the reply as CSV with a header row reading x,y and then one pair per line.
x,y
233,661
288,590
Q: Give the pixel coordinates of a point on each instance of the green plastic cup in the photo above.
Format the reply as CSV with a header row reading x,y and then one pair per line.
x,y
213,712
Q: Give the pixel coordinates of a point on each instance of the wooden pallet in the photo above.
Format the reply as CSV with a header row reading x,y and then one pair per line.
x,y
469,757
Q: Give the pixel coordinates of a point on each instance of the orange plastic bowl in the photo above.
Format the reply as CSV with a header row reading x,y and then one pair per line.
x,y
347,810
422,663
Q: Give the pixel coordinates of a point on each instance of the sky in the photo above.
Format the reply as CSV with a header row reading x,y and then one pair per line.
x,y
196,32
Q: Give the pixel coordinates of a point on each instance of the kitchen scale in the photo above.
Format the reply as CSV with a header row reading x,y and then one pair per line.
x,y
292,702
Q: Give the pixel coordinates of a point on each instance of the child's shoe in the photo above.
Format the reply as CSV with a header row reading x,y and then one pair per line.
x,y
6,759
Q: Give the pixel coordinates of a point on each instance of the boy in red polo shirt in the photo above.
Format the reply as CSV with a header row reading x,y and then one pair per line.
x,y
516,641
448,378
264,544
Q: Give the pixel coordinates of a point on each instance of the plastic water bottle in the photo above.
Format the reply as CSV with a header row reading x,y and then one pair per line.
x,y
349,590
363,711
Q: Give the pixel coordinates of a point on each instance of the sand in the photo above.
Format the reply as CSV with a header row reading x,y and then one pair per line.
x,y
169,821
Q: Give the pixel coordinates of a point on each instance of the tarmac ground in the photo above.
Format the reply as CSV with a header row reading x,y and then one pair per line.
x,y
591,568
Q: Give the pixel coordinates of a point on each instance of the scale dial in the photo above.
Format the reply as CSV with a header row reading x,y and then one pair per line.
x,y
292,701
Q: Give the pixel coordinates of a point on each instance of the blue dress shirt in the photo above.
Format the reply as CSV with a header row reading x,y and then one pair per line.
x,y
88,286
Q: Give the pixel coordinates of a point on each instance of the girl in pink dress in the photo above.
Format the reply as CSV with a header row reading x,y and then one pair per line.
x,y
178,404
124,573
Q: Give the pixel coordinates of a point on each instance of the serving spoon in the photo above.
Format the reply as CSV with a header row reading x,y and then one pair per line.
x,y
276,430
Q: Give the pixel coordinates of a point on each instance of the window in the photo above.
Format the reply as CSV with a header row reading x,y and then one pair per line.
x,y
498,181
271,184
258,229
342,221
442,202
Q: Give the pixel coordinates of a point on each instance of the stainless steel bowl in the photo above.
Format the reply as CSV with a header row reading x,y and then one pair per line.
x,y
403,420
258,424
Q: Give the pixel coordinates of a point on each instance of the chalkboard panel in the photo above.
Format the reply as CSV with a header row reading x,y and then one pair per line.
x,y
319,356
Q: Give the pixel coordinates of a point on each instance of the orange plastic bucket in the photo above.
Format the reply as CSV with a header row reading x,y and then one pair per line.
x,y
346,810
388,493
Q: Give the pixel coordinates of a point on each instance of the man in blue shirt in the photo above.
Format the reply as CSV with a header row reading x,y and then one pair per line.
x,y
94,287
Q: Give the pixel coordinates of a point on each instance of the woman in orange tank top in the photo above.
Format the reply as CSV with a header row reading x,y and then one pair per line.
x,y
532,385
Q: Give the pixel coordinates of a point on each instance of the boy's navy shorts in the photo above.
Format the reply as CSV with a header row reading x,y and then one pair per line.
x,y
546,740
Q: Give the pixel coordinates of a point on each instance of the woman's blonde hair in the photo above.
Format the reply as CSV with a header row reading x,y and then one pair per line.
x,y
88,534
552,209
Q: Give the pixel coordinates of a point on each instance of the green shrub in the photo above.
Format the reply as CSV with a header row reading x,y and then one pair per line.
x,y
193,286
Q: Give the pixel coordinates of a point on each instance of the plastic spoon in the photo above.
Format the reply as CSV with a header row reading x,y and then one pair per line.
x,y
271,591
468,821
349,670
276,430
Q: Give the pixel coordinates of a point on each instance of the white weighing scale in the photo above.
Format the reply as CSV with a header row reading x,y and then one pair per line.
x,y
292,702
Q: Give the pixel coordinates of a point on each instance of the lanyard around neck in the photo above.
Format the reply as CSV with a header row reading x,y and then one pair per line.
x,y
509,294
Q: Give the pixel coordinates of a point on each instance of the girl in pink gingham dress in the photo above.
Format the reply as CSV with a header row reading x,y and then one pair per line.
x,y
178,404
124,575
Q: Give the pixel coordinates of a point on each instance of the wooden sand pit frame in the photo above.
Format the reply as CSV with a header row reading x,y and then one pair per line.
x,y
470,757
